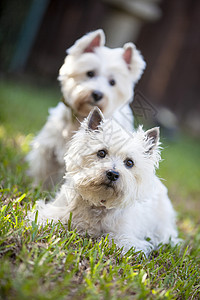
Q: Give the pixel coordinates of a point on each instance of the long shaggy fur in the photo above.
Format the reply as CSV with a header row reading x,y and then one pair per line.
x,y
134,209
92,75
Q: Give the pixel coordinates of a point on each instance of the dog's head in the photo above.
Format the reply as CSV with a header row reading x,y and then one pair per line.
x,y
95,75
110,167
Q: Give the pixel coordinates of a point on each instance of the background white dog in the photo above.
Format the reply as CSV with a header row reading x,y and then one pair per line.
x,y
92,75
111,187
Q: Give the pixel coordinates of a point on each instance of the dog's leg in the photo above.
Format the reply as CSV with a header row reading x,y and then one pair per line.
x,y
127,242
43,166
46,158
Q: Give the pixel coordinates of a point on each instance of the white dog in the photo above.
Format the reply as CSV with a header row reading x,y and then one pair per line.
x,y
111,187
92,75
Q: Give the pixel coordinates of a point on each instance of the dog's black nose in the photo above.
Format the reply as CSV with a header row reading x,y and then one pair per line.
x,y
97,95
112,175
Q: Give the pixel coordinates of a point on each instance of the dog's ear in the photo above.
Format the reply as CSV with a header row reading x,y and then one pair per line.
x,y
134,61
97,40
128,53
88,43
152,139
94,119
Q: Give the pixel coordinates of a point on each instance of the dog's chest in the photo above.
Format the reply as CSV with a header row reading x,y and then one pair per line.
x,y
89,220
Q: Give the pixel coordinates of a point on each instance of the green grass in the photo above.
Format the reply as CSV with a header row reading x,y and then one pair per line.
x,y
55,263
23,109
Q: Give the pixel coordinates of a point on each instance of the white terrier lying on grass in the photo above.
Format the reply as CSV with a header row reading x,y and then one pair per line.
x,y
111,187
92,75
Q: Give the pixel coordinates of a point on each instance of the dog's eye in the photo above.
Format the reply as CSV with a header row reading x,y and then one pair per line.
x,y
101,153
112,82
90,74
129,163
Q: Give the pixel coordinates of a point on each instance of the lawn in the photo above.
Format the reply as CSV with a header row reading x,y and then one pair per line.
x,y
55,263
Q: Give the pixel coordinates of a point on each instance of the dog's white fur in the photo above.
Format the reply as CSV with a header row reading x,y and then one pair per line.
x,y
123,65
130,209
